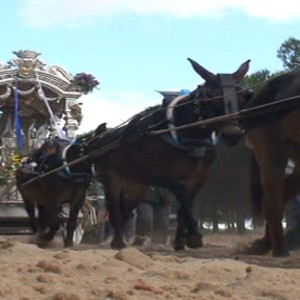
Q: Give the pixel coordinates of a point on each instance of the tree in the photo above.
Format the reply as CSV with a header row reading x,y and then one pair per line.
x,y
256,79
289,53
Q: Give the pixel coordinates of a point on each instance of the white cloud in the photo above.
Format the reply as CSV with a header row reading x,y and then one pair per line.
x,y
114,110
79,12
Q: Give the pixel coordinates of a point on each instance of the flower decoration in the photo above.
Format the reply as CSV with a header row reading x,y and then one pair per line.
x,y
85,82
7,171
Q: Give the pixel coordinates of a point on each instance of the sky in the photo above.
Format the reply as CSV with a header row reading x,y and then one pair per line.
x,y
136,47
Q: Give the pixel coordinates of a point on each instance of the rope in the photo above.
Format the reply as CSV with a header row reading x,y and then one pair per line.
x,y
242,114
95,153
52,117
207,100
214,120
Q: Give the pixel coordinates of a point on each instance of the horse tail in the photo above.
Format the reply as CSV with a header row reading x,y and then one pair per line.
x,y
256,191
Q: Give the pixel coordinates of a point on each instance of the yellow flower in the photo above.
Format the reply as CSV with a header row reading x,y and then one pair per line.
x,y
16,158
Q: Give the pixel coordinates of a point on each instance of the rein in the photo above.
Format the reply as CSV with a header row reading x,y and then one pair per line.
x,y
240,115
95,153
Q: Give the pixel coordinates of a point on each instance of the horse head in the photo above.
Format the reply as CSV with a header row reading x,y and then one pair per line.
x,y
76,151
222,94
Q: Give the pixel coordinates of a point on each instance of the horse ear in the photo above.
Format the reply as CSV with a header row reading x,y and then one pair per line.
x,y
205,74
239,74
100,129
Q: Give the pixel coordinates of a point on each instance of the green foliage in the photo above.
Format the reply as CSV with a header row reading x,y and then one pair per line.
x,y
257,79
289,53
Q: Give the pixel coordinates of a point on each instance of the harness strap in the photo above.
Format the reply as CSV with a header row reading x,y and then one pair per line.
x,y
64,158
170,117
67,165
230,98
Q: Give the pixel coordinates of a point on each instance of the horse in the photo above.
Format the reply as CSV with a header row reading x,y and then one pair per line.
x,y
269,121
51,192
177,160
274,138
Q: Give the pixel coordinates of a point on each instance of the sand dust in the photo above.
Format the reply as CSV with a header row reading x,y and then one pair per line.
x,y
91,272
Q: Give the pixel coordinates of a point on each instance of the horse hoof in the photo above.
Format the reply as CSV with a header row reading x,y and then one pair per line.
x,y
194,241
117,244
178,245
69,244
260,247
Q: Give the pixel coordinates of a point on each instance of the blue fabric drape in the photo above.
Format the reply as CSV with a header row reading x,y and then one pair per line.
x,y
17,120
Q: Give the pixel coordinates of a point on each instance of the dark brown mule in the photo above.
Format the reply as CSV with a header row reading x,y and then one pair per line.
x,y
149,159
271,122
49,194
275,137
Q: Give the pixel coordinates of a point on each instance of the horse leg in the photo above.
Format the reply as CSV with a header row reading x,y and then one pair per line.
x,y
194,183
274,209
71,227
131,195
30,209
113,190
187,229
48,220
261,246
78,201
272,165
193,237
42,218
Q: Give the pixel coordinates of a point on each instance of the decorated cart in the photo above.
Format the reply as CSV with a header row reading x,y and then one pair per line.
x,y
36,101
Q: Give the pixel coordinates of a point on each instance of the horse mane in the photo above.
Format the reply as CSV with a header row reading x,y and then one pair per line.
x,y
278,89
149,119
271,90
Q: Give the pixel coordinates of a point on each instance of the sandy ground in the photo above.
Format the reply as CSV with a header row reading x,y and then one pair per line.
x,y
219,270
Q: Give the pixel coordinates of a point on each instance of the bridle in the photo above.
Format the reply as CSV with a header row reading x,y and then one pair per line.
x,y
230,89
66,163
229,92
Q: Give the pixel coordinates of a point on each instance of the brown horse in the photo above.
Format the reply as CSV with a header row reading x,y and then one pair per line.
x,y
49,193
274,135
270,120
178,161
